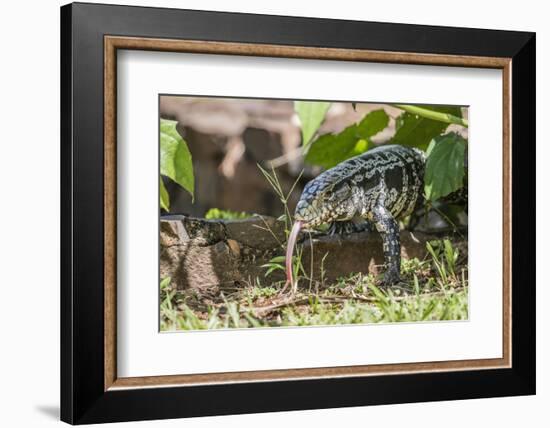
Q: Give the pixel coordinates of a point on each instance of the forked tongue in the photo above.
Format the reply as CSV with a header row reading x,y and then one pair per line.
x,y
291,243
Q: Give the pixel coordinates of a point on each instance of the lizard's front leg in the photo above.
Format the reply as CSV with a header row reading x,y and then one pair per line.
x,y
389,230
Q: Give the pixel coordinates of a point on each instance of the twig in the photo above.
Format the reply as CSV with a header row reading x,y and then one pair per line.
x,y
267,228
445,217
277,305
434,115
285,158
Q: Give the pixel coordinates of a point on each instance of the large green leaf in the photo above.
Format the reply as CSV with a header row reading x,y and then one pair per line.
x,y
311,114
444,166
417,131
175,158
164,197
373,123
331,149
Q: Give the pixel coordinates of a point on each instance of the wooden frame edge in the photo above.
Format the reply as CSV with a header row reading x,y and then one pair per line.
x,y
301,52
298,374
109,198
507,213
112,43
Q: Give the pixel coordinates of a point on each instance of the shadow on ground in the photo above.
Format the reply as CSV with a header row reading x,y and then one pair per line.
x,y
51,411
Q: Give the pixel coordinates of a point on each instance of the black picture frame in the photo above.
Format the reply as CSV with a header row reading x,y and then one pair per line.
x,y
83,396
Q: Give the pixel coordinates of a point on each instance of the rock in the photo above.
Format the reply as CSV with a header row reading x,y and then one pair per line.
x,y
172,233
178,228
258,232
198,253
338,256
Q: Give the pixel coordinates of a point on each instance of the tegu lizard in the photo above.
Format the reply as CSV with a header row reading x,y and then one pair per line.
x,y
379,186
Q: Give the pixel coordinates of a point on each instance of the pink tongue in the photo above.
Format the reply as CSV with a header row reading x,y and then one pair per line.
x,y
290,250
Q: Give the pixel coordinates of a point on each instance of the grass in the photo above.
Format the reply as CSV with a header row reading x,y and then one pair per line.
x,y
432,289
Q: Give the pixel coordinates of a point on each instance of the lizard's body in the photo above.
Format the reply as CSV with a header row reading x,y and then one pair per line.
x,y
379,186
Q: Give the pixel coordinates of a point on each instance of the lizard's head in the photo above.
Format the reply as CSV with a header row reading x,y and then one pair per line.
x,y
323,202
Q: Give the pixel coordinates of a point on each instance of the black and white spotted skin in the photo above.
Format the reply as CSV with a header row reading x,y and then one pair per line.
x,y
378,186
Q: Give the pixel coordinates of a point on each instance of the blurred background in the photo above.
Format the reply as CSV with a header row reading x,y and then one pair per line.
x,y
228,138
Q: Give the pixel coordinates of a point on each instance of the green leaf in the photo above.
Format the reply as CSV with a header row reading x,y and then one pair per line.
x,y
272,268
373,123
331,149
311,114
414,130
164,197
444,166
175,158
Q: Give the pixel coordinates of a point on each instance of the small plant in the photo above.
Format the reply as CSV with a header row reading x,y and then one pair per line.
x,y
278,264
168,311
296,263
444,258
258,291
219,214
275,184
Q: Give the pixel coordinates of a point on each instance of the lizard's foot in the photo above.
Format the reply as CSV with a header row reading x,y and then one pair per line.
x,y
391,277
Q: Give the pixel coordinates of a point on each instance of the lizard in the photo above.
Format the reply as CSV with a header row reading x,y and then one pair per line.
x,y
378,187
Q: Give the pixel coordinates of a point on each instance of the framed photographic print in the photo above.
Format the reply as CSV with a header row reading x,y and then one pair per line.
x,y
265,213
